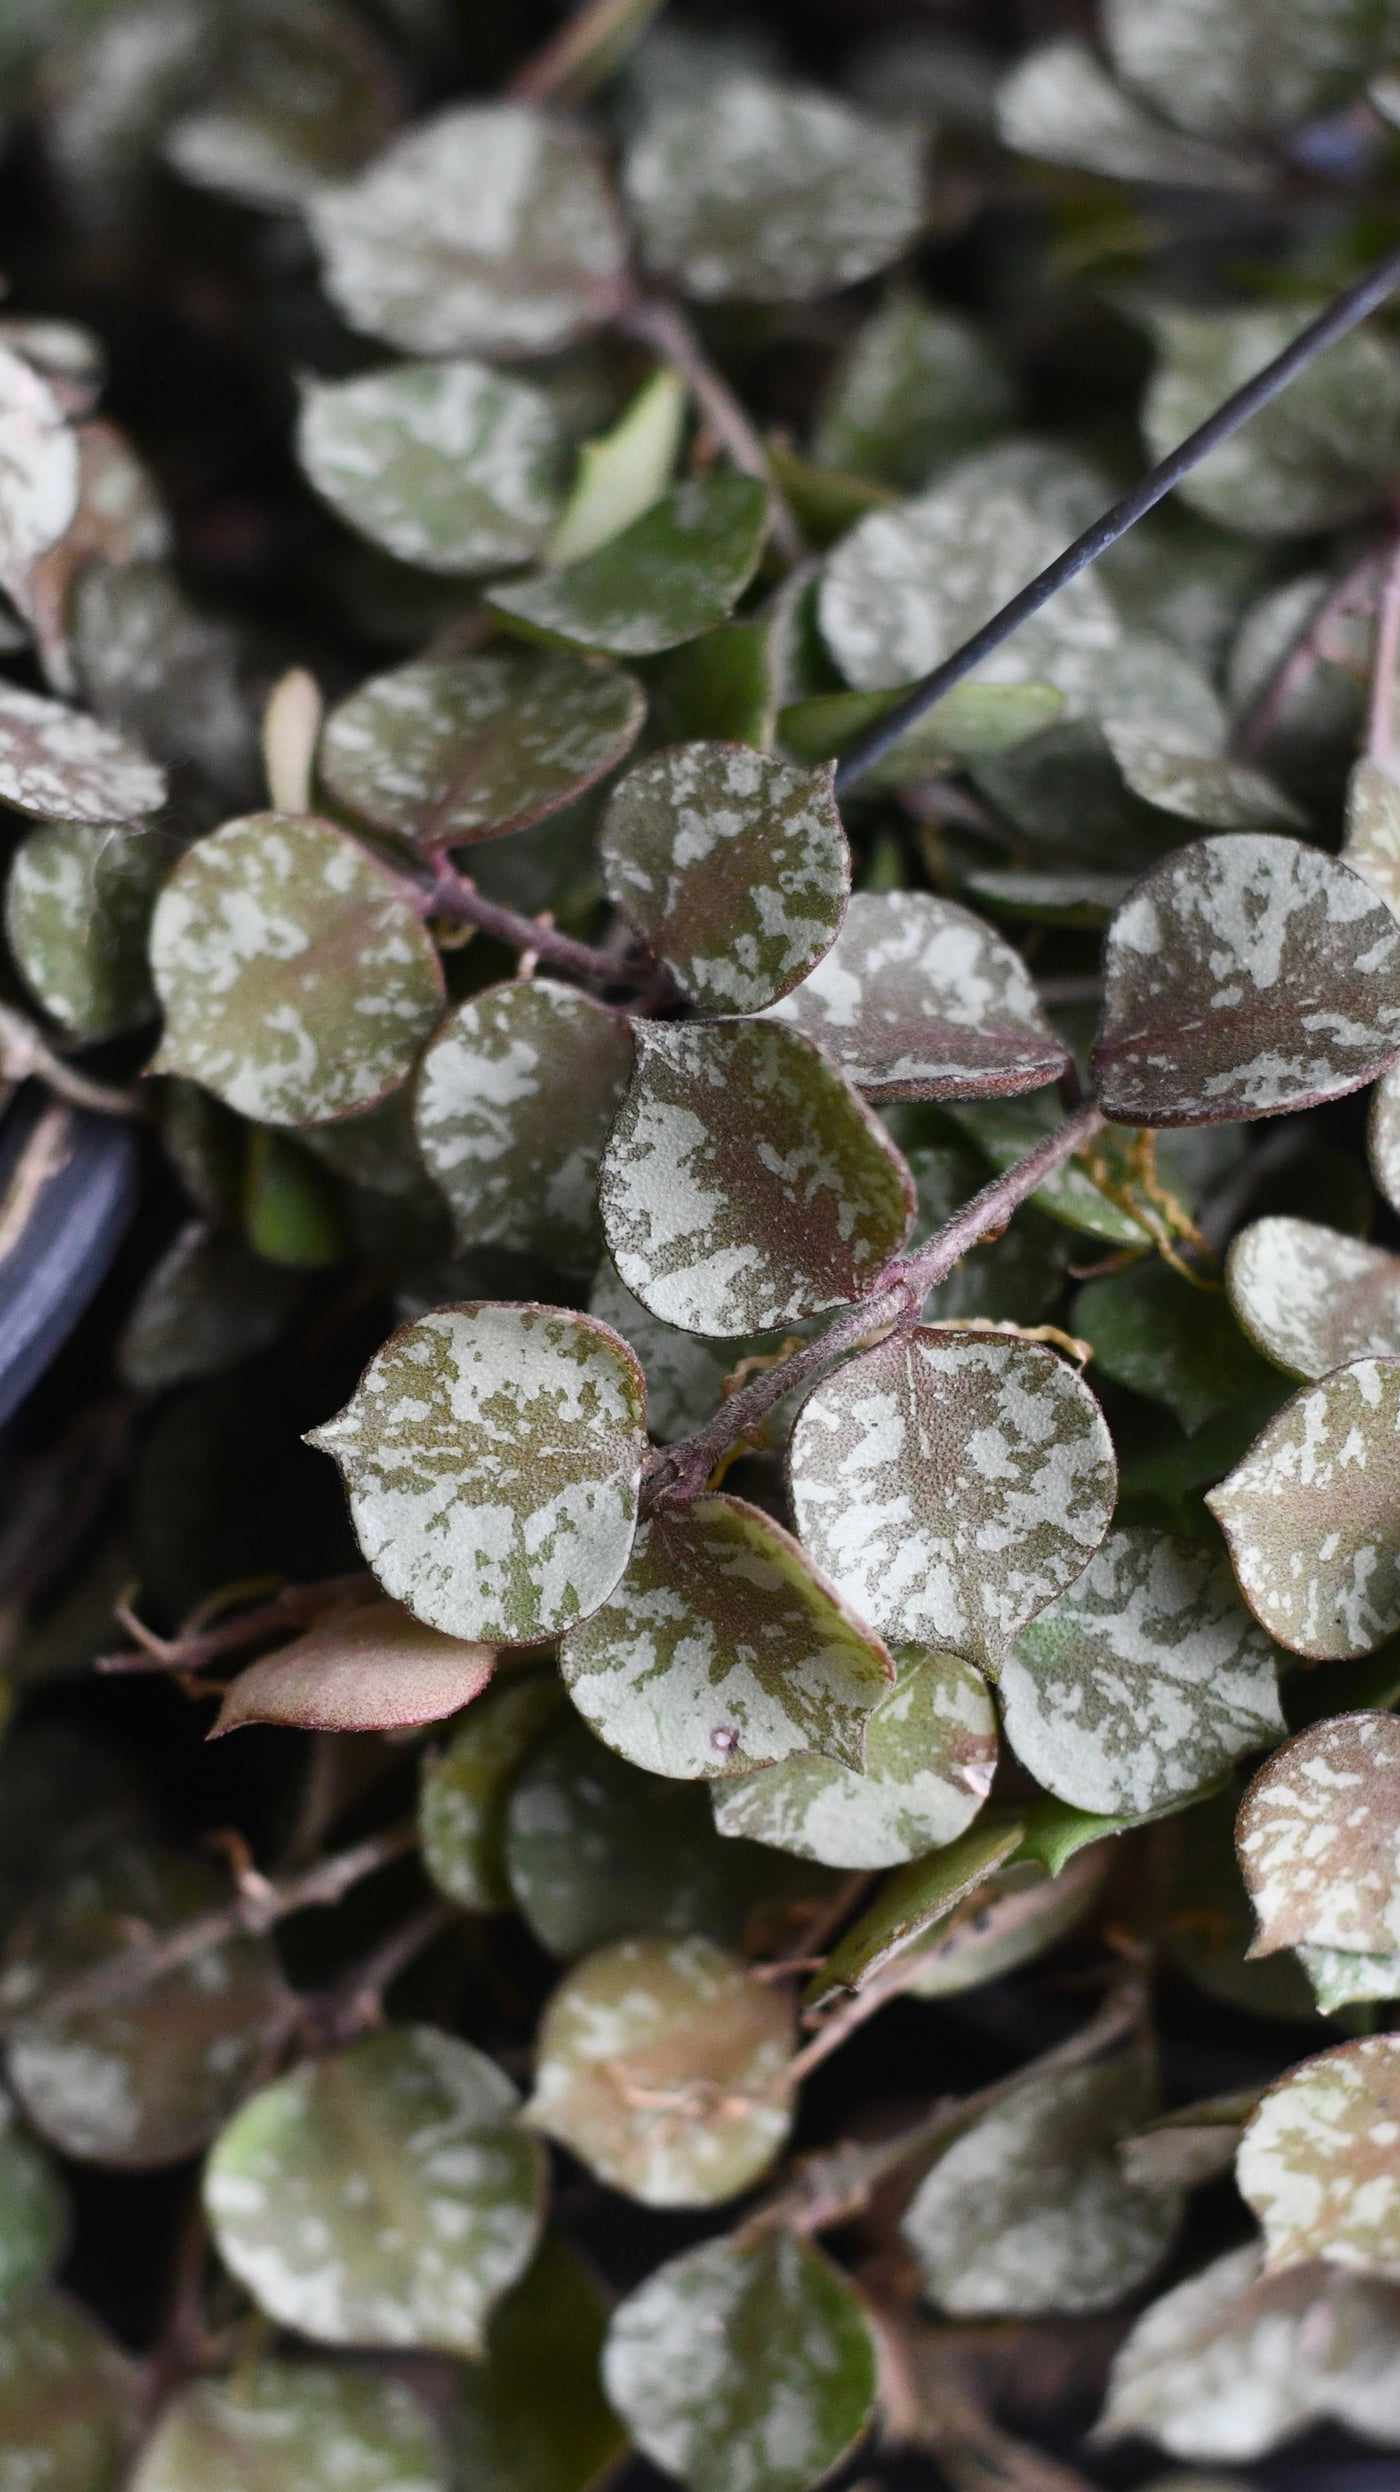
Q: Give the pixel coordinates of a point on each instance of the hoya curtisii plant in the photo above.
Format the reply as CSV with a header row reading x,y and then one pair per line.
x,y
865,1476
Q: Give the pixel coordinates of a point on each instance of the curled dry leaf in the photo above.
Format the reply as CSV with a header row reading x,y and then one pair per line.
x,y
488,229
673,574
918,999
1312,1299
1318,2161
660,2064
492,1456
383,2195
302,2423
449,751
1245,975
373,1669
951,1484
66,767
1312,1514
722,1648
487,1116
298,984
1143,1681
1319,1838
733,865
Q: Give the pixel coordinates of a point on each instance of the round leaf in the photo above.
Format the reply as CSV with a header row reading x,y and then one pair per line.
x,y
733,865
743,2366
33,2211
1312,1515
1014,1917
298,984
531,2416
517,1173
1312,1299
660,2063
293,2427
69,2401
1243,976
1143,1681
1226,795
1059,105
1318,2165
1028,2211
77,907
920,384
1319,1839
684,1372
449,751
745,1184
952,1484
722,1648
918,999
488,229
370,1669
493,1456
464,1788
772,193
1383,1136
671,575
380,2196
930,1754
1220,2367
919,1896
66,767
1224,67
448,465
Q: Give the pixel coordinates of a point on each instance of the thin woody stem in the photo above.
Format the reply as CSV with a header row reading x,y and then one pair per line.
x,y
296,1605
662,324
678,1472
451,894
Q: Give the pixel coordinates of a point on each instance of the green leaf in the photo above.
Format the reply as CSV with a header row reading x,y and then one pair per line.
x,y
1319,1839
292,1209
671,575
530,2416
1244,976
746,1184
1178,1344
1059,106
1057,1831
918,999
1318,457
383,2195
972,719
951,1484
465,1787
77,906
722,685
733,865
1311,1298
1007,1129
919,385
487,229
771,193
293,2427
1028,2212
449,751
34,2219
1317,2161
297,982
1143,1681
661,2063
448,465
917,1898
492,1456
624,471
930,1754
69,2400
66,767
1222,67
1015,1916
722,1649
1226,795
145,2082
207,1305
369,1669
1050,897
487,1116
743,2366
1312,1515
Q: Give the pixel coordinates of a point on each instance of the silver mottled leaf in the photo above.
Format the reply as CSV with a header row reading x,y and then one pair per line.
x,y
1312,1299
77,907
1372,843
919,384
1224,794
1318,2165
1060,106
1226,67
465,1786
1342,1976
293,2427
673,574
448,465
684,1372
66,767
39,473
1319,1839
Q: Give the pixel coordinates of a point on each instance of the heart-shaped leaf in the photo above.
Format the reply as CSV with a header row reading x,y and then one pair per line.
x,y
465,1786
918,999
492,1456
1317,2162
651,2029
66,767
1311,1298
371,1669
743,2364
1029,2211
671,575
33,2211
951,1484
531,2416
772,193
1319,1839
294,2427
487,1116
77,908
1245,975
1143,1681
1312,1515
930,1754
488,229
746,1184
722,1648
733,865
383,2195
297,982
70,2401
448,751
448,465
